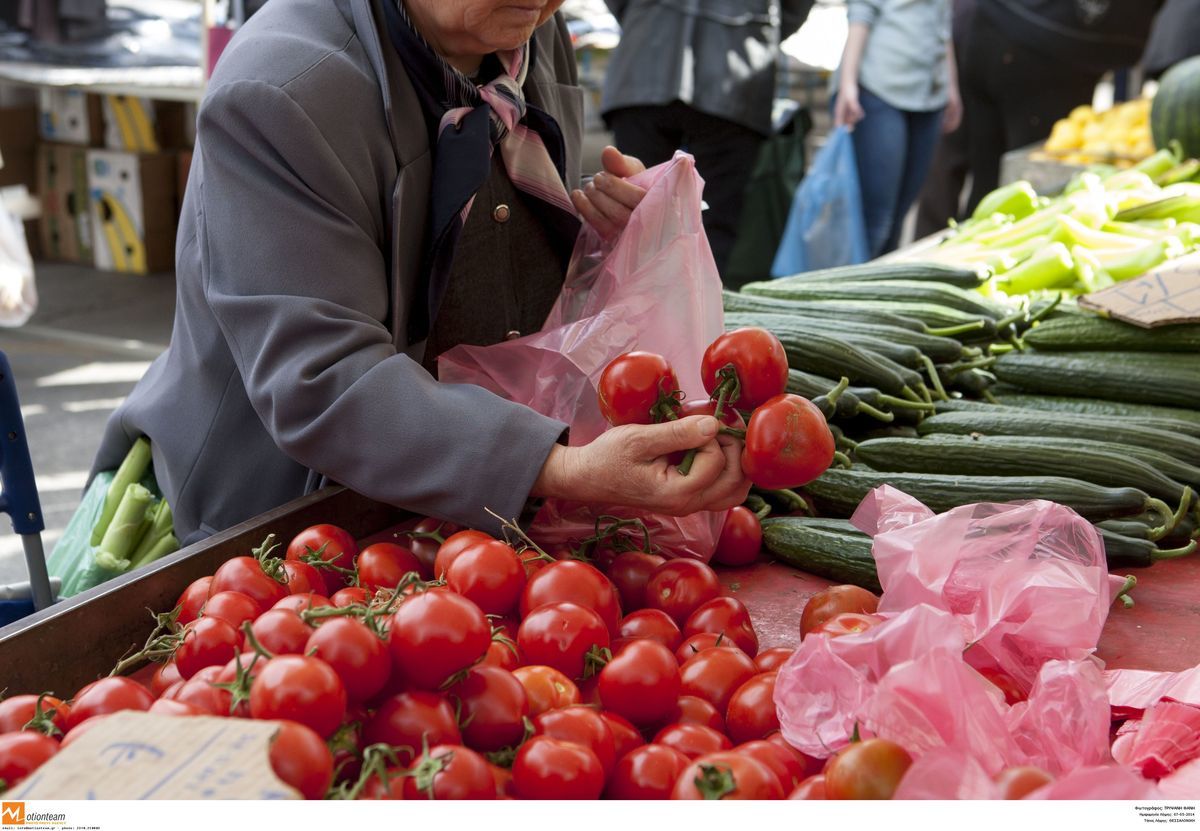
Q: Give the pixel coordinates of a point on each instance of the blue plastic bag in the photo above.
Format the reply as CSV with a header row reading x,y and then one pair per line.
x,y
825,226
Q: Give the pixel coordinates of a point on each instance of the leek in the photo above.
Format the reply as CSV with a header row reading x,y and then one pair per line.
x,y
161,526
1051,268
1017,200
1072,232
165,545
121,537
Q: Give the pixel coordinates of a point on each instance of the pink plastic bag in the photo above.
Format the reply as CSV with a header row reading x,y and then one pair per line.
x,y
1065,722
1131,691
947,774
656,289
1103,782
1028,580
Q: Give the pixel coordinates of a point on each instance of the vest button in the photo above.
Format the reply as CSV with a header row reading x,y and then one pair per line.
x,y
512,334
501,214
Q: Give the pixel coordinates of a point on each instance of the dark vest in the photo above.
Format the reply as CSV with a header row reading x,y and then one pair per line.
x,y
508,270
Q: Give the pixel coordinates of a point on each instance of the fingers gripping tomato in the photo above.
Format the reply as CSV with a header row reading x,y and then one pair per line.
x,y
788,443
758,361
638,388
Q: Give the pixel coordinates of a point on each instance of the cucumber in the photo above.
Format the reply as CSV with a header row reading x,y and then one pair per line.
x,y
1095,333
1129,552
1129,528
940,349
1001,421
1171,425
909,291
823,354
1136,377
840,557
965,278
783,326
735,302
933,317
1095,406
839,492
1018,456
852,402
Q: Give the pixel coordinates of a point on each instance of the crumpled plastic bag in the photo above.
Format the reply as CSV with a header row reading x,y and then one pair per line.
x,y
1065,722
1028,580
947,773
1101,782
655,289
1132,691
1165,739
18,292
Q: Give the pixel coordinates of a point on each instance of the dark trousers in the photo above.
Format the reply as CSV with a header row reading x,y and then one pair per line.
x,y
1012,95
941,198
725,154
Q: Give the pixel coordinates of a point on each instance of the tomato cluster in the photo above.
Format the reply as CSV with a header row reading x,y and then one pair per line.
x,y
745,371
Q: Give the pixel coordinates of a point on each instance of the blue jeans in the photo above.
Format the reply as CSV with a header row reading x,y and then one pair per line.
x,y
894,149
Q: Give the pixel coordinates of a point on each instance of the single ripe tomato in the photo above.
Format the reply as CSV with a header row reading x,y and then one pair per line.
x,y
326,544
693,646
303,578
727,775
170,707
435,635
360,657
715,674
448,771
647,772
235,608
847,623
454,545
163,678
810,764
772,659
625,735
730,417
583,726
303,602
653,624
22,753
635,386
193,599
629,572
299,688
300,758
20,710
692,740
783,764
740,543
108,695
200,691
834,601
561,635
492,708
350,596
547,768
383,565
757,357
751,711
424,540
788,443
811,788
407,719
246,575
641,683
679,587
489,574
692,710
726,616
1020,782
572,581
207,642
546,688
870,769
282,632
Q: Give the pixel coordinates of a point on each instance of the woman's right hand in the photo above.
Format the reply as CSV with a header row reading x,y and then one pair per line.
x,y
846,110
628,466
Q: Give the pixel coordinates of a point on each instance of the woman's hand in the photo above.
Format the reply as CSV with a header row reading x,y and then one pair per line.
x,y
628,466
846,110
609,199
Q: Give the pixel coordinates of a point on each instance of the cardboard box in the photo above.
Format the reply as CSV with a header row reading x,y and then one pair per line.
x,y
141,125
66,225
18,146
132,206
71,117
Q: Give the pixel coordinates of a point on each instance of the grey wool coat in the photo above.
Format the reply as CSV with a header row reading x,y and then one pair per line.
x,y
299,249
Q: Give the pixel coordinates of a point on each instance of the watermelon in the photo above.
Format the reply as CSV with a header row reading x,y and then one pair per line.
x,y
1175,113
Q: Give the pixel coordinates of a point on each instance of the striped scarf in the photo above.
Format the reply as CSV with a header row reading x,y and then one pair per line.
x,y
473,120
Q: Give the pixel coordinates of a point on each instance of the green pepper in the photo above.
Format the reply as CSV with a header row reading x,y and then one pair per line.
x,y
1050,268
1017,200
1072,232
1125,263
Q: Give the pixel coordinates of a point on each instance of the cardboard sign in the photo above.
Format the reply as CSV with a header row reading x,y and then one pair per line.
x,y
132,755
1168,294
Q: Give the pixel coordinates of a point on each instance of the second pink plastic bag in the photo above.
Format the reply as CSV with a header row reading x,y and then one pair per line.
x,y
655,289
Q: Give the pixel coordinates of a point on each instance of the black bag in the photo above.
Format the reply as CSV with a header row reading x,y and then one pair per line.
x,y
769,192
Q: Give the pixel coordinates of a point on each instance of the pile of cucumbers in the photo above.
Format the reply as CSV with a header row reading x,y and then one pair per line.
x,y
957,398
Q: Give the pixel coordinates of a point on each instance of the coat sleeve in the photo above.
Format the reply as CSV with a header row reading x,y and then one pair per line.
x,y
294,273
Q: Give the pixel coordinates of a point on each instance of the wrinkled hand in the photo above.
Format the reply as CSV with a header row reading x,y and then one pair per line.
x,y
607,201
846,110
628,466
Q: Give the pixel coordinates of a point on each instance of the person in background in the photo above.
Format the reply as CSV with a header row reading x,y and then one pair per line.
x,y
699,75
1174,37
1028,63
897,89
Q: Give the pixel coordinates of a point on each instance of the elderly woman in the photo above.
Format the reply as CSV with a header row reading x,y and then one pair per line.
x,y
374,182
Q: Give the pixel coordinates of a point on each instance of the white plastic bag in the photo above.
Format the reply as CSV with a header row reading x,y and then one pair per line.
x,y
18,295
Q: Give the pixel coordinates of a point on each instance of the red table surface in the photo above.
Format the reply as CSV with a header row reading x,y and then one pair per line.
x,y
1161,632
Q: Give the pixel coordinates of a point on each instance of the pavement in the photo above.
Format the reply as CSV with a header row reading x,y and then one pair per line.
x,y
92,337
